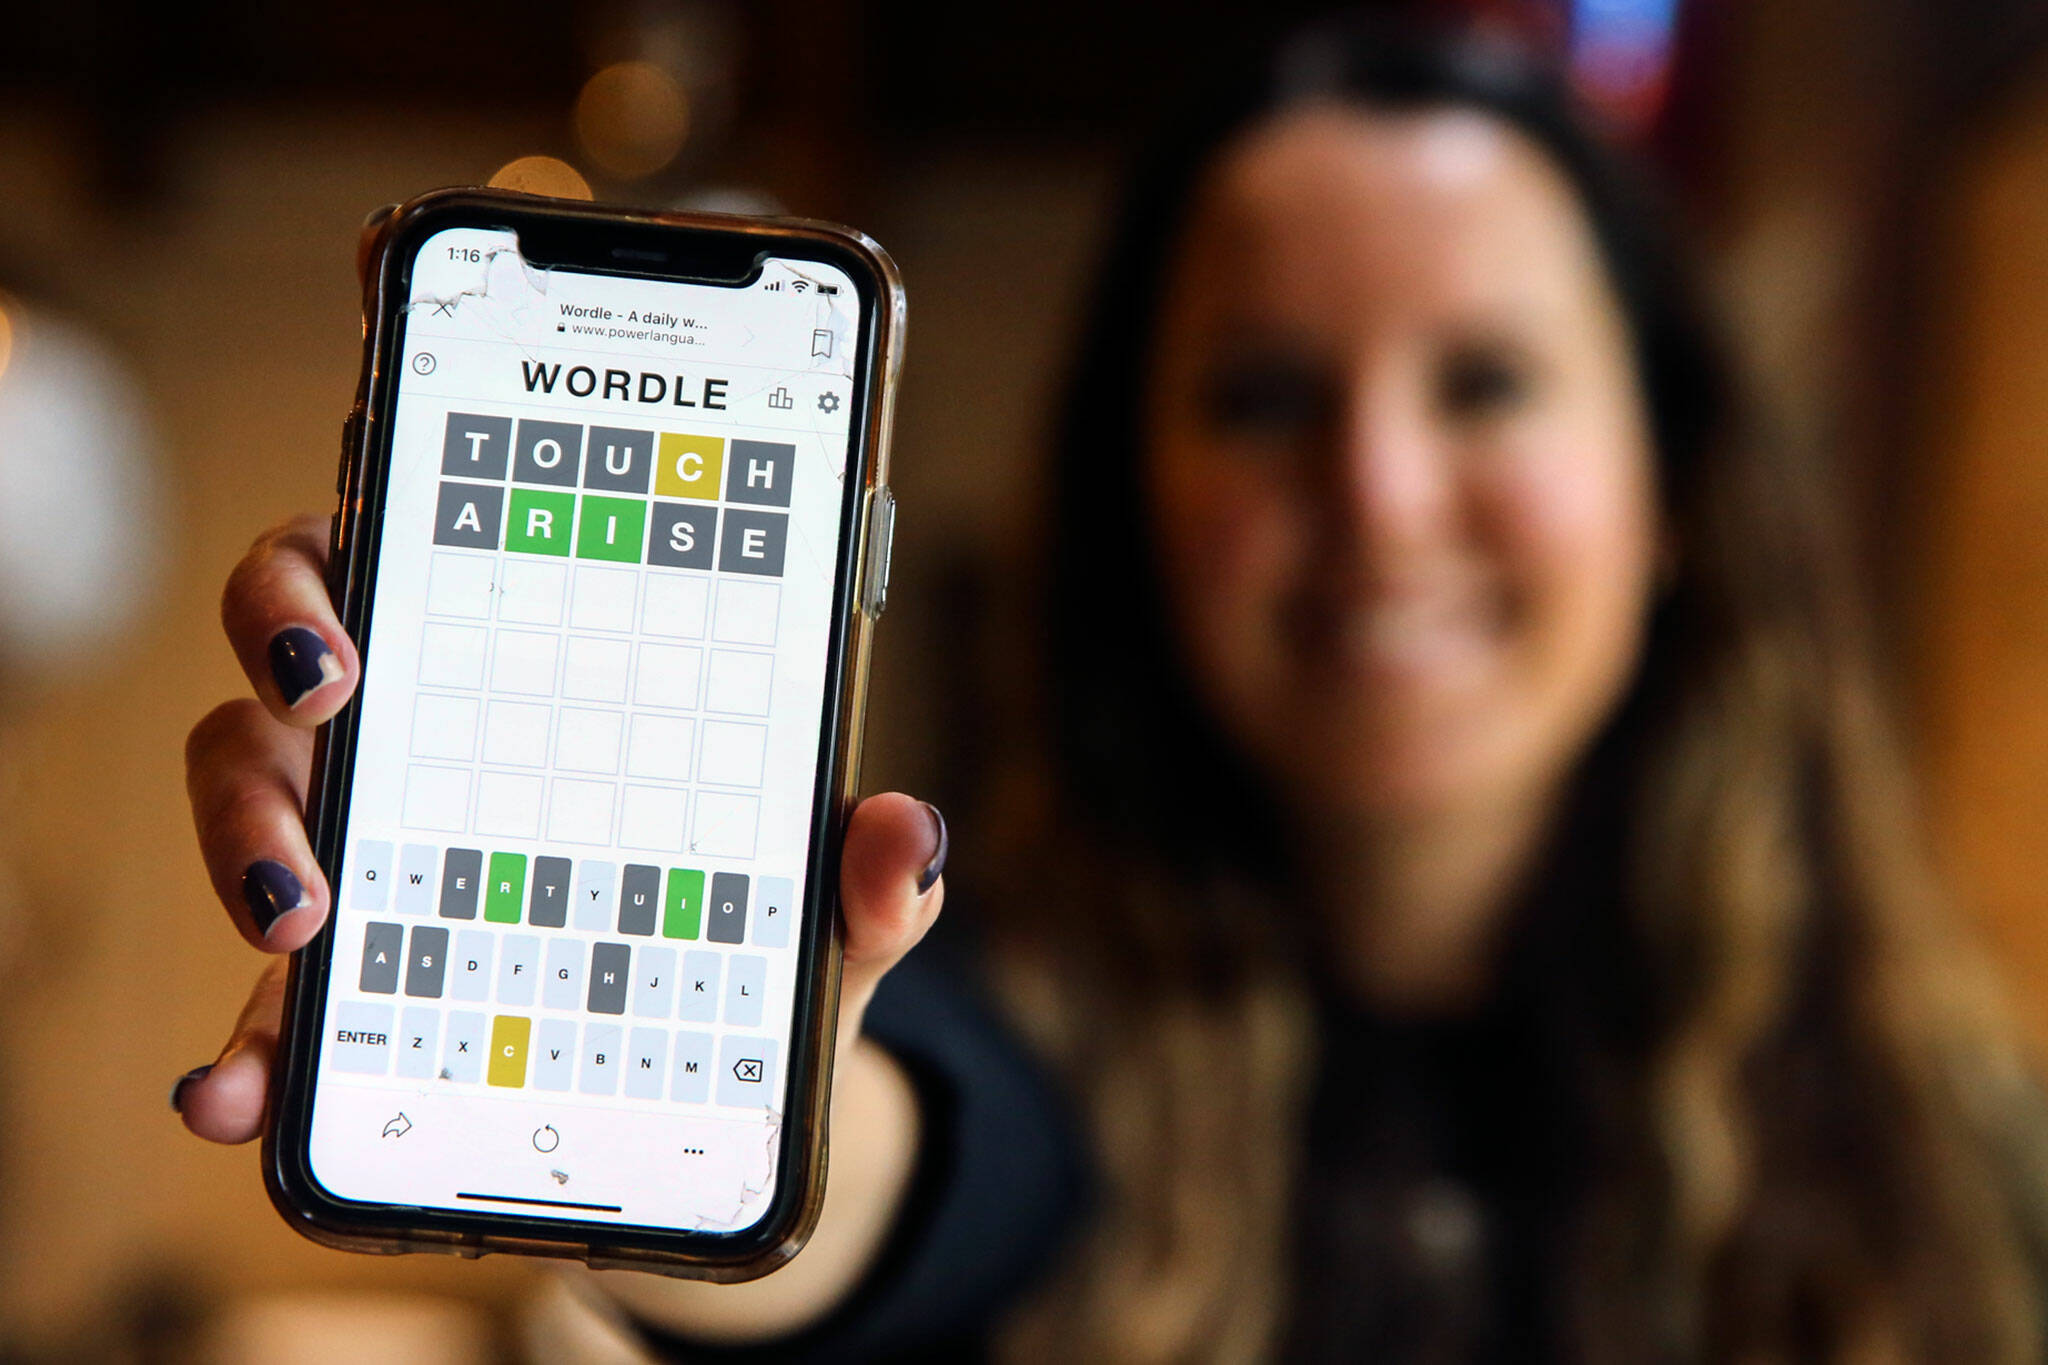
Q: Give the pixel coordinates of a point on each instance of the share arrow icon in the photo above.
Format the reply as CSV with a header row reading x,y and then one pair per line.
x,y
399,1126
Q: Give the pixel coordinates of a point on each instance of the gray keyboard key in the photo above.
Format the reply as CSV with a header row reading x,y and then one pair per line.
x,y
600,1059
415,893
646,1063
565,974
383,945
773,911
639,899
746,1073
462,872
471,963
428,961
419,1042
698,985
745,980
554,1056
690,1076
462,1054
654,982
361,1041
597,890
728,908
547,904
370,875
610,969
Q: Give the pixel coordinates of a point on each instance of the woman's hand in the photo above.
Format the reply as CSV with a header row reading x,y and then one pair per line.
x,y
246,768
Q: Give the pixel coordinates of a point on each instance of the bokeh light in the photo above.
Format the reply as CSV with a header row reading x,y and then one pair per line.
x,y
547,175
632,118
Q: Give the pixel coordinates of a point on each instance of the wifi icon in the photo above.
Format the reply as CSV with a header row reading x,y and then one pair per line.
x,y
799,285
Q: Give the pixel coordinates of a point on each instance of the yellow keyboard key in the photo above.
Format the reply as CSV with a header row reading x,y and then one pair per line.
x,y
509,1037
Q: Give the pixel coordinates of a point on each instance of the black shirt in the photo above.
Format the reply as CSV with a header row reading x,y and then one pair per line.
x,y
1421,1209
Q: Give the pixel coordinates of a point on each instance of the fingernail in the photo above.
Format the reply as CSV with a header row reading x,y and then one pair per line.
x,y
270,889
302,663
933,868
178,1086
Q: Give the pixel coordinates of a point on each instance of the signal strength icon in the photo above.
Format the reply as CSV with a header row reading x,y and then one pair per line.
x,y
772,285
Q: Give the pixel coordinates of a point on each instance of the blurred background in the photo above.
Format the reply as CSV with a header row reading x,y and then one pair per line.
x,y
180,192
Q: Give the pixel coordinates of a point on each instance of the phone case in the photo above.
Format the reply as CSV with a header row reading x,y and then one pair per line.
x,y
859,598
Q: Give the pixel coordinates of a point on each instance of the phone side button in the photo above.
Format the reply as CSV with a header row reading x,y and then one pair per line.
x,y
881,548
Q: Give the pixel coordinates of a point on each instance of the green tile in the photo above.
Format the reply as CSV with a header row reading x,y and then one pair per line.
x,y
612,528
507,894
682,912
538,523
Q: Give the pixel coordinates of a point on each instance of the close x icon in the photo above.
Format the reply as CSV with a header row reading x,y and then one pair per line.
x,y
747,1069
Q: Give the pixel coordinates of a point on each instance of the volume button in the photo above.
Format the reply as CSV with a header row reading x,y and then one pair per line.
x,y
881,548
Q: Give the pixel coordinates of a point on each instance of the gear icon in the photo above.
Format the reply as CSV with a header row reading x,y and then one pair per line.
x,y
828,402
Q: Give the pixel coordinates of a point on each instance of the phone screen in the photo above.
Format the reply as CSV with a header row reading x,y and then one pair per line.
x,y
567,911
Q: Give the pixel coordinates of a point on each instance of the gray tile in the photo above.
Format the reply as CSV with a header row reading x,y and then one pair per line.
x,y
462,872
475,447
619,460
548,453
728,908
469,515
547,903
427,964
752,542
639,899
683,532
759,472
383,945
610,974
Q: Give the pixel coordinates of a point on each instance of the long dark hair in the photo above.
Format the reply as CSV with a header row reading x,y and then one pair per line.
x,y
1774,1067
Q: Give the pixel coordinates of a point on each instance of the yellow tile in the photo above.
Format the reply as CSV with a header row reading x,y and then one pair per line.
x,y
689,466
509,1037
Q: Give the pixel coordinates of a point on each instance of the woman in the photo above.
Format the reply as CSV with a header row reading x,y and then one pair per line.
x,y
1476,914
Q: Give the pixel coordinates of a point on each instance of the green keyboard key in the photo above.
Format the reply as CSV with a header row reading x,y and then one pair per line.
x,y
506,899
682,913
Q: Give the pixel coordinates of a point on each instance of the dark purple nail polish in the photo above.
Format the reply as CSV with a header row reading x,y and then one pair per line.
x,y
301,663
178,1086
937,862
269,889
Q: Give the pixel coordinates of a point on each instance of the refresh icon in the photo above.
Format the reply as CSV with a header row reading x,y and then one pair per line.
x,y
545,1138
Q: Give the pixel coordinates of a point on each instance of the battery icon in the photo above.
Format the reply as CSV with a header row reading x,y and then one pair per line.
x,y
828,289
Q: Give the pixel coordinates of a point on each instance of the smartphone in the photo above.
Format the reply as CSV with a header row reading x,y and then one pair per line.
x,y
614,532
